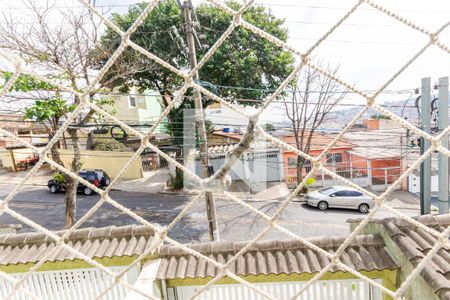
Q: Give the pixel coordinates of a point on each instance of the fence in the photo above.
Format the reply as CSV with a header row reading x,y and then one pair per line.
x,y
20,67
379,178
253,167
352,289
83,284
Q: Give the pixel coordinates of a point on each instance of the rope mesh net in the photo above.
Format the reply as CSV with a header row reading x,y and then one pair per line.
x,y
161,232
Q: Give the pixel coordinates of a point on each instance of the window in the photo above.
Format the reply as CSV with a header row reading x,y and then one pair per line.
x,y
327,191
308,166
341,194
131,101
355,194
334,158
292,161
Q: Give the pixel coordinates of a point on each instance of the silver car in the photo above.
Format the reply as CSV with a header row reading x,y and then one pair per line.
x,y
340,197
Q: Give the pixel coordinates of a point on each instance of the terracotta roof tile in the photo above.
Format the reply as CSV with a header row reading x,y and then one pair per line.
x,y
273,257
415,243
92,242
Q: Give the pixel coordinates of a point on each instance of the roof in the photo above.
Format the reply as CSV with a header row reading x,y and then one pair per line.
x,y
375,153
225,148
231,135
415,243
109,241
365,253
319,142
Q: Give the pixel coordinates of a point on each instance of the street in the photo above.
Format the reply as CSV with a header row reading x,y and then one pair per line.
x,y
236,222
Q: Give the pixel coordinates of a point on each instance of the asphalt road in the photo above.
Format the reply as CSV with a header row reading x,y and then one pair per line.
x,y
236,222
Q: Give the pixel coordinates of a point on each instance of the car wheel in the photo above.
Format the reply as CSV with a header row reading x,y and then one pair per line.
x,y
107,181
53,189
363,208
322,205
87,191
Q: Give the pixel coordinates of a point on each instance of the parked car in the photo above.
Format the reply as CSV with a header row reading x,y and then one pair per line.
x,y
339,197
99,178
102,176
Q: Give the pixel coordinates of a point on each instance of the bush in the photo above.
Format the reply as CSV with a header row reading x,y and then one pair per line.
x,y
109,145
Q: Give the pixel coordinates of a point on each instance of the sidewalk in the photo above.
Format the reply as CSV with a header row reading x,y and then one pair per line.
x,y
40,178
153,182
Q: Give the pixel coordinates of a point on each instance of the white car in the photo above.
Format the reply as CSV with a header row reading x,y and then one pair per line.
x,y
339,196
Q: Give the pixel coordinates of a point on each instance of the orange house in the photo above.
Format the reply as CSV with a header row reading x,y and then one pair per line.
x,y
337,159
380,165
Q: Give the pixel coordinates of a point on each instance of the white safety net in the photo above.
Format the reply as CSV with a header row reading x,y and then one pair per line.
x,y
316,162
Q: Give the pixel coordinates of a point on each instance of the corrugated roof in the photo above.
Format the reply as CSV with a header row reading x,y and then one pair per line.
x,y
224,148
375,153
320,142
93,242
415,243
366,253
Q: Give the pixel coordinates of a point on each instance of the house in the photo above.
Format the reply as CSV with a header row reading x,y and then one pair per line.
x,y
379,155
14,155
223,137
260,164
407,245
387,251
222,116
28,130
136,109
380,124
337,159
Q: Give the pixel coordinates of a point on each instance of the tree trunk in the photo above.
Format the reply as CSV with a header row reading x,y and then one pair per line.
x,y
300,164
54,151
71,183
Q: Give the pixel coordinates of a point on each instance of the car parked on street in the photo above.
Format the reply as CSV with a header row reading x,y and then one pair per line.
x,y
339,196
97,177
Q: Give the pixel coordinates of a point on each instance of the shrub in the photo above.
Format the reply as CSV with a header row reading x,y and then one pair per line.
x,y
109,145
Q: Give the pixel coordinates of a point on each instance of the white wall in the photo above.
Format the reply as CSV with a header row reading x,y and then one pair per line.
x,y
414,183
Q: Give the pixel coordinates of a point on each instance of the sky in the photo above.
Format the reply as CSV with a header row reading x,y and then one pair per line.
x,y
369,46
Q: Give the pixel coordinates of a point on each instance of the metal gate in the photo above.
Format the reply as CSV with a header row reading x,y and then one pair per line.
x,y
261,166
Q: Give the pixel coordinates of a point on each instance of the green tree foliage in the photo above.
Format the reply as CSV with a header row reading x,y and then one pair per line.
x,y
50,110
380,117
243,60
27,83
268,127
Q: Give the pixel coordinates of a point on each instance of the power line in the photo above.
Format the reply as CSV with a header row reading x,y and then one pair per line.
x,y
257,4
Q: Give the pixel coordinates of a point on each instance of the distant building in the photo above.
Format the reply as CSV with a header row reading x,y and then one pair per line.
x,y
28,130
221,137
139,109
222,116
380,124
337,158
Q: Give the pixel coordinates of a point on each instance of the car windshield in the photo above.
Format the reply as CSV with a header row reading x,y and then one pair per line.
x,y
327,191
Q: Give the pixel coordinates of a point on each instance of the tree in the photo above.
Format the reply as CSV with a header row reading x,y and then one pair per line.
x,y
268,127
244,60
49,113
60,45
307,105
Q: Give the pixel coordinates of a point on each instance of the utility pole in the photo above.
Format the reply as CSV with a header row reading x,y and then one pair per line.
x,y
200,122
443,159
425,166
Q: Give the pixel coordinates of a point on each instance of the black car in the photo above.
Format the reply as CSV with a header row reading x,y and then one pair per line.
x,y
99,178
